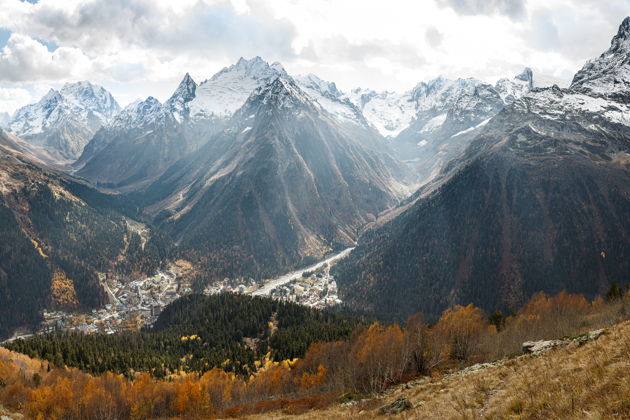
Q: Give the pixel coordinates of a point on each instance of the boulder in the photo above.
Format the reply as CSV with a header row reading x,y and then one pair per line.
x,y
401,404
541,346
537,347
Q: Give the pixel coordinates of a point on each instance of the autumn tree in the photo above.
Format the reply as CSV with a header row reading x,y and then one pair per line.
x,y
462,327
423,350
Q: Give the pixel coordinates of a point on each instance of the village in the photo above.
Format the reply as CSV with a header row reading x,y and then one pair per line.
x,y
313,286
132,305
138,303
316,289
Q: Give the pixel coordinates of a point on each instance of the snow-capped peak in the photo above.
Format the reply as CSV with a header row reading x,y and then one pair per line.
x,y
331,99
609,74
139,113
280,93
178,102
388,112
92,97
82,102
255,68
312,82
227,91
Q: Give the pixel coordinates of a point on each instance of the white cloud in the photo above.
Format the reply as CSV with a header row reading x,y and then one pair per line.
x,y
138,48
13,98
173,27
25,59
433,36
515,9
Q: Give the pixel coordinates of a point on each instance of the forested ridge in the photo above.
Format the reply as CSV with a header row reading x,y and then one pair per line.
x,y
48,233
197,333
497,232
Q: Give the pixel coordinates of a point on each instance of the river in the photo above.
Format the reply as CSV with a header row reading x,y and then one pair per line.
x,y
287,278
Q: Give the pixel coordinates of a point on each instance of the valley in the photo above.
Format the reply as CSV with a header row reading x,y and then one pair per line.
x,y
134,304
265,239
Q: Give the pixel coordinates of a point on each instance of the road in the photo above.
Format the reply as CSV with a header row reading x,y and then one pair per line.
x,y
287,278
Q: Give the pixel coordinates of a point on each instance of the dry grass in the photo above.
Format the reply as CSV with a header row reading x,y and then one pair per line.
x,y
574,382
554,324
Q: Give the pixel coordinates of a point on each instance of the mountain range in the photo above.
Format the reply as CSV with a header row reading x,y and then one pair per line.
x,y
456,191
540,200
284,182
64,120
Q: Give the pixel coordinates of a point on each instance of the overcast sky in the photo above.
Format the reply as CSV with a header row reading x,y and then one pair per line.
x,y
136,48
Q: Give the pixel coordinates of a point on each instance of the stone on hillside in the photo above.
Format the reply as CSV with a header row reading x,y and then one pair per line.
x,y
537,347
542,346
401,404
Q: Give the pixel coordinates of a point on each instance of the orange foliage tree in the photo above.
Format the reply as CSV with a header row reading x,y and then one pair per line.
x,y
463,327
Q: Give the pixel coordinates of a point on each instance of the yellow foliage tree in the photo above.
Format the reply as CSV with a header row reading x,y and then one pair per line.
x,y
62,290
462,327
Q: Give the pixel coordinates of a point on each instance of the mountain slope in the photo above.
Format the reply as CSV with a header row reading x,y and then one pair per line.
x,y
332,100
284,183
136,148
539,201
54,241
63,121
147,137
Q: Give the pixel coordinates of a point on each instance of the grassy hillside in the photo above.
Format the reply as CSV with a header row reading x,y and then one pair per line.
x,y
574,382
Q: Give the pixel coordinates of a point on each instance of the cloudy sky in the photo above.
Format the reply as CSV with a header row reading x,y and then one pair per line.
x,y
137,48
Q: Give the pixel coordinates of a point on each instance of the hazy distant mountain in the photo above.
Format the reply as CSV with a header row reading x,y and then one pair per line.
x,y
285,182
427,106
63,121
4,119
435,121
332,100
539,201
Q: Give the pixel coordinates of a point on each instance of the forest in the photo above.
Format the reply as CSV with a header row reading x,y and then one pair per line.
x,y
197,333
49,235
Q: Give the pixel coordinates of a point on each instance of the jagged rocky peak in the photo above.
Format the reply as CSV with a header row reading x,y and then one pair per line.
x,y
280,93
621,42
186,89
512,89
442,93
609,74
526,76
185,93
255,67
